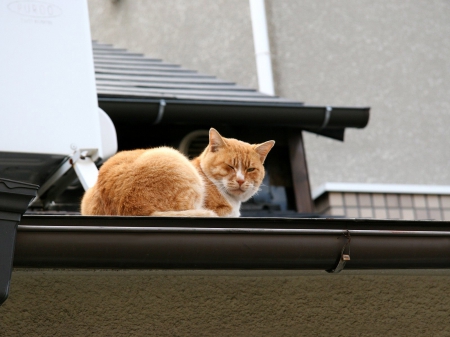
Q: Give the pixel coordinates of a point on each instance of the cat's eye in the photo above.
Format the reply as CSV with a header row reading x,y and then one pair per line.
x,y
231,167
251,169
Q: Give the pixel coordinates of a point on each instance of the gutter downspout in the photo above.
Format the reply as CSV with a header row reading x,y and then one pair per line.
x,y
262,49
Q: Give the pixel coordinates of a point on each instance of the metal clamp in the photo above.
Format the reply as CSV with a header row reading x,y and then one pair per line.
x,y
326,118
81,165
345,255
162,106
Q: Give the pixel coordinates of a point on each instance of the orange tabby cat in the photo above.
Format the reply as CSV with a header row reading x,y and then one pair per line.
x,y
163,182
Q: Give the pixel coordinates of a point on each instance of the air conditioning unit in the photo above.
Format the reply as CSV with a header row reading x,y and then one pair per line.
x,y
50,122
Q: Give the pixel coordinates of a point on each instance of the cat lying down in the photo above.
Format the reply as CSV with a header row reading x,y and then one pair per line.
x,y
163,182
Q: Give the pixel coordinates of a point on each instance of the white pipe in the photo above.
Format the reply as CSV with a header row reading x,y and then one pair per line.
x,y
262,49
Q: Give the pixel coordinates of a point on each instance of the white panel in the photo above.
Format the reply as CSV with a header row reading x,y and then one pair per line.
x,y
109,136
48,98
380,188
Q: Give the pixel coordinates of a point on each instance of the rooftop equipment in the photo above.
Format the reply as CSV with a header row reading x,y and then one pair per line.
x,y
52,130
14,199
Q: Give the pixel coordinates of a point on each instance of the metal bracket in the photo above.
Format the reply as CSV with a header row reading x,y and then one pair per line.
x,y
326,118
159,117
80,164
86,171
344,257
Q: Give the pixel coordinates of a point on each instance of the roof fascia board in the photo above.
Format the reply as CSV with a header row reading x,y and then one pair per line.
x,y
295,115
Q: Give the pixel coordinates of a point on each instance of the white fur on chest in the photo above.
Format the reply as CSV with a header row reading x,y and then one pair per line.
x,y
234,202
235,205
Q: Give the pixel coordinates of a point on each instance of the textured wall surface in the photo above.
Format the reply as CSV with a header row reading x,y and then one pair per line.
x,y
227,303
214,37
392,56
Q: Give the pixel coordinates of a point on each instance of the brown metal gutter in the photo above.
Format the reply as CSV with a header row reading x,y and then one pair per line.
x,y
242,243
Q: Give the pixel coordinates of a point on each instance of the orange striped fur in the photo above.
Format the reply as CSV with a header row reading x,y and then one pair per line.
x,y
163,182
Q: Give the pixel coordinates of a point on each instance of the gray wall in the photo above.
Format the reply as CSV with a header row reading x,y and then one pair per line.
x,y
233,303
392,56
196,34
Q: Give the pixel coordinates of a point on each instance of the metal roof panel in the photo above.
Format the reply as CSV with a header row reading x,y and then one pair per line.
x,y
134,71
127,81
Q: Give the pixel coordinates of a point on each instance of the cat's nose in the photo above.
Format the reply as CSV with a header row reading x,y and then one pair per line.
x,y
240,181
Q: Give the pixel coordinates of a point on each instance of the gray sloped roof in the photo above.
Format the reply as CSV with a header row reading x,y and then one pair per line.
x,y
131,85
122,73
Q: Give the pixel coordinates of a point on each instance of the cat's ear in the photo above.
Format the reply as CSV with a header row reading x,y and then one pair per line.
x,y
263,149
215,140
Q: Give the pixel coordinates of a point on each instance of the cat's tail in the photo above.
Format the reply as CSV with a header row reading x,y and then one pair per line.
x,y
188,213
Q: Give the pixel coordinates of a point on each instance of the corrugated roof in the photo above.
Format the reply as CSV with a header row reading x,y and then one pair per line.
x,y
120,73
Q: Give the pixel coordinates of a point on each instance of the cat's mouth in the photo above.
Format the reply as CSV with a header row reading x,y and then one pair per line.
x,y
236,191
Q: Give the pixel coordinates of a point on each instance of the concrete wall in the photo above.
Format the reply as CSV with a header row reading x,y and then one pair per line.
x,y
392,56
233,303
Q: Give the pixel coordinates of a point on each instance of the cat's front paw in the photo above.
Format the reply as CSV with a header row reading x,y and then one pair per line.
x,y
210,214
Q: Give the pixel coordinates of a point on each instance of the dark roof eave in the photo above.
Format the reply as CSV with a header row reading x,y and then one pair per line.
x,y
318,119
221,243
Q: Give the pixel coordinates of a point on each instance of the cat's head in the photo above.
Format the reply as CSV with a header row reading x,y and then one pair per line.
x,y
235,167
